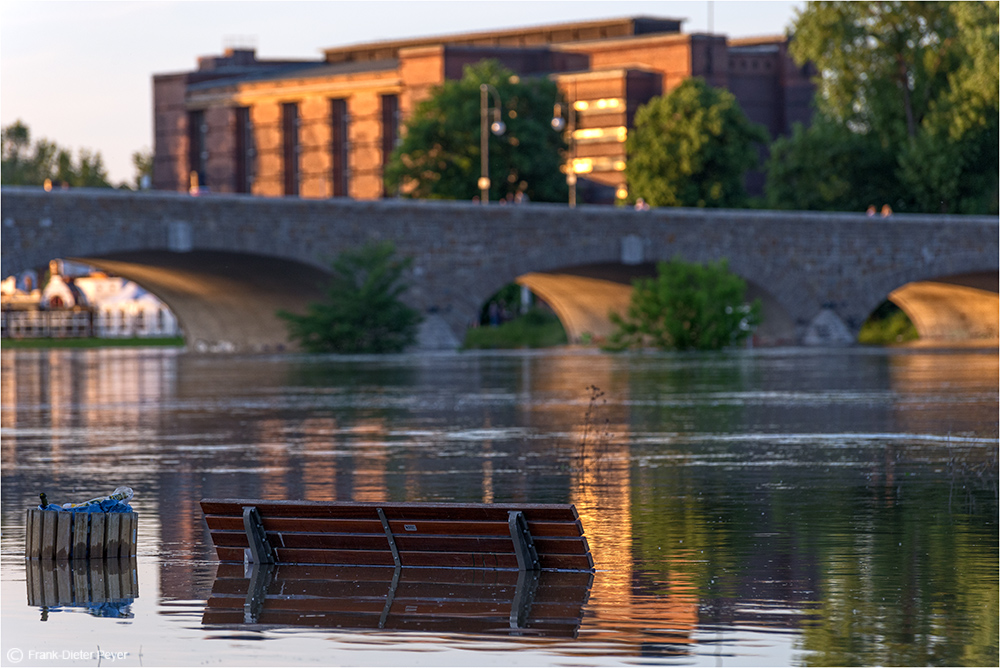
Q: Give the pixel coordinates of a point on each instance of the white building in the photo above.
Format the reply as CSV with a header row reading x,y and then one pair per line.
x,y
121,308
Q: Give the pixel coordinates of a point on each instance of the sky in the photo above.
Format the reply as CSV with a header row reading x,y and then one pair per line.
x,y
79,73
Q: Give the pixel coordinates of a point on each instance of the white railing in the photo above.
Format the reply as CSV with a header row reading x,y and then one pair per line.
x,y
46,324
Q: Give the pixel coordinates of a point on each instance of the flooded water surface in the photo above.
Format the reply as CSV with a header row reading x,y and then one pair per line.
x,y
780,507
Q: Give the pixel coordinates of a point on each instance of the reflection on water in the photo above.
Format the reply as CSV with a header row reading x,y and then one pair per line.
x,y
104,587
402,599
805,507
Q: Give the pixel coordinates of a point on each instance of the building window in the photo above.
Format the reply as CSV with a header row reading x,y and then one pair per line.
x,y
390,130
198,146
339,147
245,151
290,146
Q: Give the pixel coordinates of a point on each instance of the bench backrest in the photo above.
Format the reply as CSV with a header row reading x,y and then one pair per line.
x,y
451,535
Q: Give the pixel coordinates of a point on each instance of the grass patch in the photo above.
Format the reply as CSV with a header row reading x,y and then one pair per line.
x,y
535,329
90,343
886,326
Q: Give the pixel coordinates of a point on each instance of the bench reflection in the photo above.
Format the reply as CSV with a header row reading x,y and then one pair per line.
x,y
441,600
106,587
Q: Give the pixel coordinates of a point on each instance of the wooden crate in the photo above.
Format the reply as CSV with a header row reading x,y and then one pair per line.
x,y
53,534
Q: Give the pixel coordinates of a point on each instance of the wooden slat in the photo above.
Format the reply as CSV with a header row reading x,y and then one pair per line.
x,y
32,531
97,535
282,524
394,511
434,527
131,537
337,541
81,535
64,535
477,544
568,562
360,557
113,539
459,559
49,522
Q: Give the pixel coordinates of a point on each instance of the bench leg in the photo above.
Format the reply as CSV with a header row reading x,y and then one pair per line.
x,y
261,551
524,546
260,579
524,596
390,597
389,536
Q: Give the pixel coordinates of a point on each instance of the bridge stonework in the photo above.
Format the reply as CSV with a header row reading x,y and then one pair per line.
x,y
822,273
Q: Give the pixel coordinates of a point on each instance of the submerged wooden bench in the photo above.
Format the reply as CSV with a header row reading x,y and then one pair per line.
x,y
449,535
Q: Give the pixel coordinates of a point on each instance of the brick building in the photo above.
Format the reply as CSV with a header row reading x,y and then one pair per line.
x,y
325,128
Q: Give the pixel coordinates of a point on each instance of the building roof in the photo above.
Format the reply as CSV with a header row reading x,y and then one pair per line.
x,y
315,69
552,33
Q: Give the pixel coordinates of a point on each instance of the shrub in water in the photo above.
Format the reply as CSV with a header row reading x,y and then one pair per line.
x,y
686,307
362,312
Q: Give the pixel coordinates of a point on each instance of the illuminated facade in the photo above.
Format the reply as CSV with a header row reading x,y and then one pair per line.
x,y
325,128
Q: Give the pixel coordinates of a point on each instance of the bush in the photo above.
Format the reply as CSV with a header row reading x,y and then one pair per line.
x,y
686,307
362,312
535,329
886,326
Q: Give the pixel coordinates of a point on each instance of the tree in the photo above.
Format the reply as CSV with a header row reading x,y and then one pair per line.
x,y
439,156
828,168
913,84
691,147
362,312
687,306
143,163
27,164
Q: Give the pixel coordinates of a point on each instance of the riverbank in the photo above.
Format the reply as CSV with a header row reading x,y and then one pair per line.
x,y
174,341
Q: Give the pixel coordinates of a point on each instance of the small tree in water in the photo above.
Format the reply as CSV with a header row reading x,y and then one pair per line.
x,y
686,307
362,312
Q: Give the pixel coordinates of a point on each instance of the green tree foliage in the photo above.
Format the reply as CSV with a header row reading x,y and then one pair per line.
x,y
691,147
362,312
909,92
30,164
439,156
826,168
143,163
687,306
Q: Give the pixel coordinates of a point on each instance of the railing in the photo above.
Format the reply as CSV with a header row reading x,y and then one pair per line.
x,y
81,323
46,324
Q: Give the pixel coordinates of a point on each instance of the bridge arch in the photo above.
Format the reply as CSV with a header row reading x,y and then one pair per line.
x,y
959,307
223,301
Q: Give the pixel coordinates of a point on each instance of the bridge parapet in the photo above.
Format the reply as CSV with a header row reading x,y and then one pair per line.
x,y
825,272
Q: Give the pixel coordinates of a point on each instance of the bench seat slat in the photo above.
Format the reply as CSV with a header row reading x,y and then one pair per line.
x,y
235,523
434,527
403,542
393,511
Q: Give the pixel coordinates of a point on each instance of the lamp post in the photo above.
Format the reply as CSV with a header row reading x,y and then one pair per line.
x,y
559,124
497,128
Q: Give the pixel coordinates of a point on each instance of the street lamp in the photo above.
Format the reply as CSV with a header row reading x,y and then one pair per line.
x,y
559,124
497,128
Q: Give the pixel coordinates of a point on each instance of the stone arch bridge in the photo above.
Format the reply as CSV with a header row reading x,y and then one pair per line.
x,y
226,263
